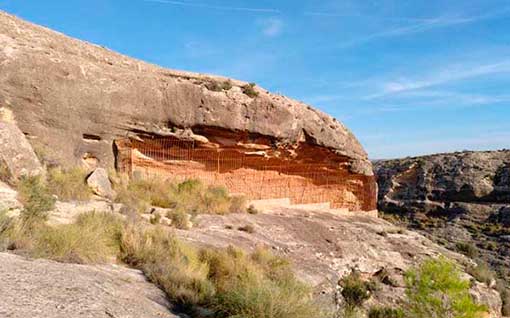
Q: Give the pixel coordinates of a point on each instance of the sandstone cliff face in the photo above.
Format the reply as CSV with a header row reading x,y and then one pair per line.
x,y
457,199
74,100
67,93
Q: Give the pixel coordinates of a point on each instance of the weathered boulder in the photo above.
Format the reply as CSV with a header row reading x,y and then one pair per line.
x,y
17,158
100,183
41,288
8,198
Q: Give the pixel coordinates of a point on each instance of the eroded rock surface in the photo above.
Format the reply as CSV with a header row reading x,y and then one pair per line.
x,y
324,247
46,289
17,158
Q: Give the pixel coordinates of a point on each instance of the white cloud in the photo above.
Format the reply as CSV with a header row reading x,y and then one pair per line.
x,y
272,27
446,75
417,25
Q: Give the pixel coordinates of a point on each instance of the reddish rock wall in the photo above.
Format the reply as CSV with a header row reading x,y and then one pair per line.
x,y
252,165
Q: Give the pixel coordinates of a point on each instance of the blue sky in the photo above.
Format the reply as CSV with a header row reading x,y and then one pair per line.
x,y
407,77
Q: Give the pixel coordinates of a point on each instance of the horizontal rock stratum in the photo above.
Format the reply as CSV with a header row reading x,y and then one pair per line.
x,y
74,99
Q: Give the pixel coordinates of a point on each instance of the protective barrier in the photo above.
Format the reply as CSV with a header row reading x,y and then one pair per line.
x,y
247,173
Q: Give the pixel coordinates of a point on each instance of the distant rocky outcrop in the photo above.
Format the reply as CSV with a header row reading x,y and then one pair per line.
x,y
437,183
461,200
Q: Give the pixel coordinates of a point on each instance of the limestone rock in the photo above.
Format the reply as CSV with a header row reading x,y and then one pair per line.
x,y
8,198
434,182
76,98
454,198
17,158
41,288
66,212
100,183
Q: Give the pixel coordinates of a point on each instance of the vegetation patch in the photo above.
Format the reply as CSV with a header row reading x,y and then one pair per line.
x,y
467,249
249,90
436,289
69,184
36,199
385,312
230,282
93,238
190,196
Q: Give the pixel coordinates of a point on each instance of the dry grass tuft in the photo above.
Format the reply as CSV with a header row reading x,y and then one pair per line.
x,y
190,196
69,184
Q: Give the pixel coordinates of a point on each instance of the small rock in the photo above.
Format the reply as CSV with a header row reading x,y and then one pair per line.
x,y
99,182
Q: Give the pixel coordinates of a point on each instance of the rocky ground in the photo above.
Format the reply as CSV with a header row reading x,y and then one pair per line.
x,y
461,200
324,247
46,289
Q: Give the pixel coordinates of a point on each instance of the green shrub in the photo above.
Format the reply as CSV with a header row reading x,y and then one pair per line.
x,y
435,289
226,85
215,200
213,86
5,223
155,218
481,272
69,184
36,199
252,209
257,285
467,249
247,228
179,218
385,312
355,291
249,90
237,204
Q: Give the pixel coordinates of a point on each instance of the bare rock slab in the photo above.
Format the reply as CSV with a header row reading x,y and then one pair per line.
x,y
16,154
46,289
8,198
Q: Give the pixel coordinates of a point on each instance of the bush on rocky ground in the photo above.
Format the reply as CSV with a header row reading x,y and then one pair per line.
x,y
36,198
227,282
69,184
230,282
436,289
385,312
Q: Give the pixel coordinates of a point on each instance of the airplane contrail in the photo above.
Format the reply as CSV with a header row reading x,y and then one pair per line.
x,y
207,6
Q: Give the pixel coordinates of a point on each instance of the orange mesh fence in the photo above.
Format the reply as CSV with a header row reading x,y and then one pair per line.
x,y
252,175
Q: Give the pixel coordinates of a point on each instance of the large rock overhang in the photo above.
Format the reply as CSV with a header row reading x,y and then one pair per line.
x,y
74,99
